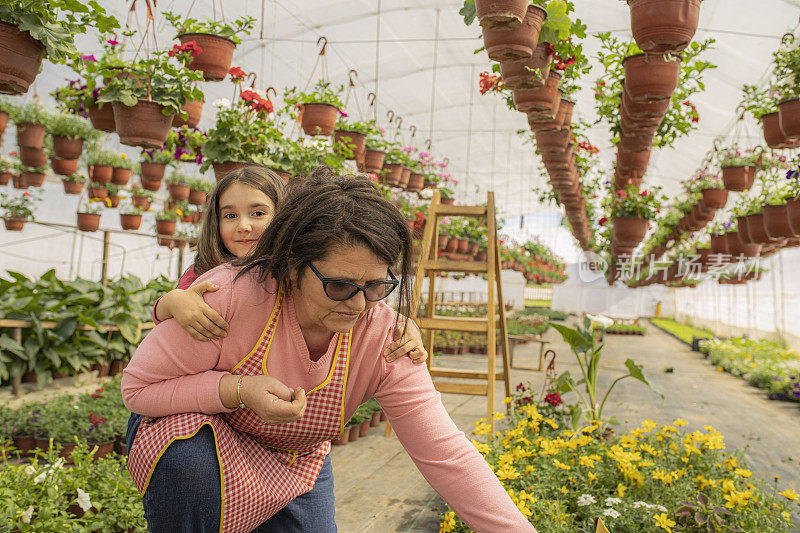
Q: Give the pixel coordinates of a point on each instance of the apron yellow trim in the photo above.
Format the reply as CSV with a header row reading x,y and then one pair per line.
x,y
278,302
344,383
219,461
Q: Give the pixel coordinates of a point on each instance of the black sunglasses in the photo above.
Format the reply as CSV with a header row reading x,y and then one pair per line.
x,y
342,289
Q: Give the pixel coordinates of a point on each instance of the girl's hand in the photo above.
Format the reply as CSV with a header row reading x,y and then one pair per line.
x,y
194,315
273,401
409,343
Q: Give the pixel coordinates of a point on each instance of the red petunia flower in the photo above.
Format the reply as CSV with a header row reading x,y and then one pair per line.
x,y
602,221
553,399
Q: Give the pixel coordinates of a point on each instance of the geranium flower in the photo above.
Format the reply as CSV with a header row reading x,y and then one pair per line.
x,y
89,58
622,194
112,42
602,221
553,399
237,73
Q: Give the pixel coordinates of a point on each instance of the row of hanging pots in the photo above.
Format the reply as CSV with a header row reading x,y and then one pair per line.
x,y
24,179
103,118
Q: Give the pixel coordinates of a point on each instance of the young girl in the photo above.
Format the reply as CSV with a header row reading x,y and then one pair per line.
x,y
239,209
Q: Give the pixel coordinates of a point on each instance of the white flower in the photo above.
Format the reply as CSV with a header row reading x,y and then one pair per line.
x,y
600,319
30,470
636,505
586,499
41,477
660,508
27,515
83,500
58,464
222,102
612,501
611,512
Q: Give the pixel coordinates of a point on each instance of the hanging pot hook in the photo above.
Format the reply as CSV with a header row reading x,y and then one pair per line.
x,y
399,122
446,161
352,74
274,92
716,144
741,109
787,38
323,40
428,144
252,77
371,99
413,130
390,114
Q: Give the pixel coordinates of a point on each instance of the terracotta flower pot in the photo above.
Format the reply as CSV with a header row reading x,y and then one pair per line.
x,y
744,231
793,210
716,198
14,223
5,178
153,171
101,173
452,245
318,119
102,117
197,197
441,241
642,110
756,229
650,77
633,160
529,73
353,140
500,14
629,231
404,177
774,137
88,221
215,59
448,201
363,428
130,221
226,167
373,160
120,175
518,43
142,124
415,182
150,185
165,227
67,147
194,112
33,179
103,448
64,167
664,25
738,178
553,142
718,244
3,122
463,246
789,116
375,419
776,222
32,157
542,99
393,173
114,200
178,191
22,57
30,135
18,181
738,249
141,202
98,192
635,143
353,433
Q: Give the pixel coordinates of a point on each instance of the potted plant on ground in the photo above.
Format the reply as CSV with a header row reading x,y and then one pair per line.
x,y
178,186
199,189
166,221
73,184
35,29
318,109
89,214
130,216
216,41
17,209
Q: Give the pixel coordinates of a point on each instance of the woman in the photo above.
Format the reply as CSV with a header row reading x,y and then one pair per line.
x,y
305,313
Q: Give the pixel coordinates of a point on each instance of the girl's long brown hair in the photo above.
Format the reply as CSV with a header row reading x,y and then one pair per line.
x,y
211,252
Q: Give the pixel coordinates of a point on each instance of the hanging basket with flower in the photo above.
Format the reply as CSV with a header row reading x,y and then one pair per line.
x,y
17,209
89,214
631,211
319,109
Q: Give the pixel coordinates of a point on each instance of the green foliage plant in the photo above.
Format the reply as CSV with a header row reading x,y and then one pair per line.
x,y
228,30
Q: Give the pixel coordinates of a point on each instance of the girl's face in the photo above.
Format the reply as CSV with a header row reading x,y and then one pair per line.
x,y
244,213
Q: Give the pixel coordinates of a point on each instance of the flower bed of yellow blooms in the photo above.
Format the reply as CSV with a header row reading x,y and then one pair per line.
x,y
652,478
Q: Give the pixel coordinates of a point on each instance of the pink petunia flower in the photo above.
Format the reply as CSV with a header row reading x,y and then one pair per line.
x,y
112,42
89,58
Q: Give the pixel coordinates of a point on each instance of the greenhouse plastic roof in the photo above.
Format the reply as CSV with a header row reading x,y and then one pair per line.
x,y
423,57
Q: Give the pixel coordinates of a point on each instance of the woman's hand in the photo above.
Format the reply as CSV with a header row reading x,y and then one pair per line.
x,y
273,401
191,311
409,343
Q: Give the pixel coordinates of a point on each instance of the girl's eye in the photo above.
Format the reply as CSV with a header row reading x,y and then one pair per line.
x,y
229,215
259,213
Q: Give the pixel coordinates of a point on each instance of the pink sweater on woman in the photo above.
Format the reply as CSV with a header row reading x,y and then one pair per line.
x,y
185,282
172,373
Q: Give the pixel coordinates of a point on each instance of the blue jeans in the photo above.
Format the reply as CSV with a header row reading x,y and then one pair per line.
x,y
183,494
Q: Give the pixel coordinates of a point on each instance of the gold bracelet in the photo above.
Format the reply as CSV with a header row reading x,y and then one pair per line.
x,y
239,393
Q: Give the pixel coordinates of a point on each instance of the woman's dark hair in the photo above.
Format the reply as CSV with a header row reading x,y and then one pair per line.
x,y
211,252
327,210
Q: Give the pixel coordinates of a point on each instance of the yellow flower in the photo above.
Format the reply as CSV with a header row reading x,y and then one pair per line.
x,y
680,422
550,422
743,472
507,399
482,448
738,498
592,477
728,486
564,489
731,463
448,522
561,465
663,521
789,494
482,429
479,421
649,425
108,202
720,369
124,156
621,490
499,416
180,213
588,460
786,516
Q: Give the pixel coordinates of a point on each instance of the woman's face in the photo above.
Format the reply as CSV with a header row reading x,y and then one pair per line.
x,y
244,213
318,312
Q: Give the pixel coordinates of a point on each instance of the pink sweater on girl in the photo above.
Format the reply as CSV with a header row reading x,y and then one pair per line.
x,y
172,373
185,282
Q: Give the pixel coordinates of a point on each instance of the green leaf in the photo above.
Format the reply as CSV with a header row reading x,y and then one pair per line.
x,y
468,12
613,420
130,331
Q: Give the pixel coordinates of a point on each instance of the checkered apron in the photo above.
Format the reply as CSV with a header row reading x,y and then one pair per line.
x,y
263,467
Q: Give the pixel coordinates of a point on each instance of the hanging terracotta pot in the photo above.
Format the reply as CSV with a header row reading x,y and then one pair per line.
x,y
415,182
165,227
664,25
631,126
32,157
650,77
14,223
142,124
318,119
101,173
215,59
5,178
703,215
624,178
21,58
500,14
552,141
542,99
774,137
642,110
120,175
102,117
789,115
98,192
776,222
448,201
373,160
353,140
529,73
18,181
33,179
629,231
194,112
633,160
64,167
141,202
197,197
404,177
755,229
178,191
30,135
793,212
744,231
393,172
130,221
719,244
3,122
113,200
153,171
72,187
738,178
518,43
635,143
226,167
716,198
88,221
738,249
67,147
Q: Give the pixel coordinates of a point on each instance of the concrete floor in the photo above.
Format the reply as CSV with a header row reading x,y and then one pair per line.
x,y
378,488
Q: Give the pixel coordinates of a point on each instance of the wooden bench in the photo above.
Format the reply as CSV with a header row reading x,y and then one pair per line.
x,y
528,338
